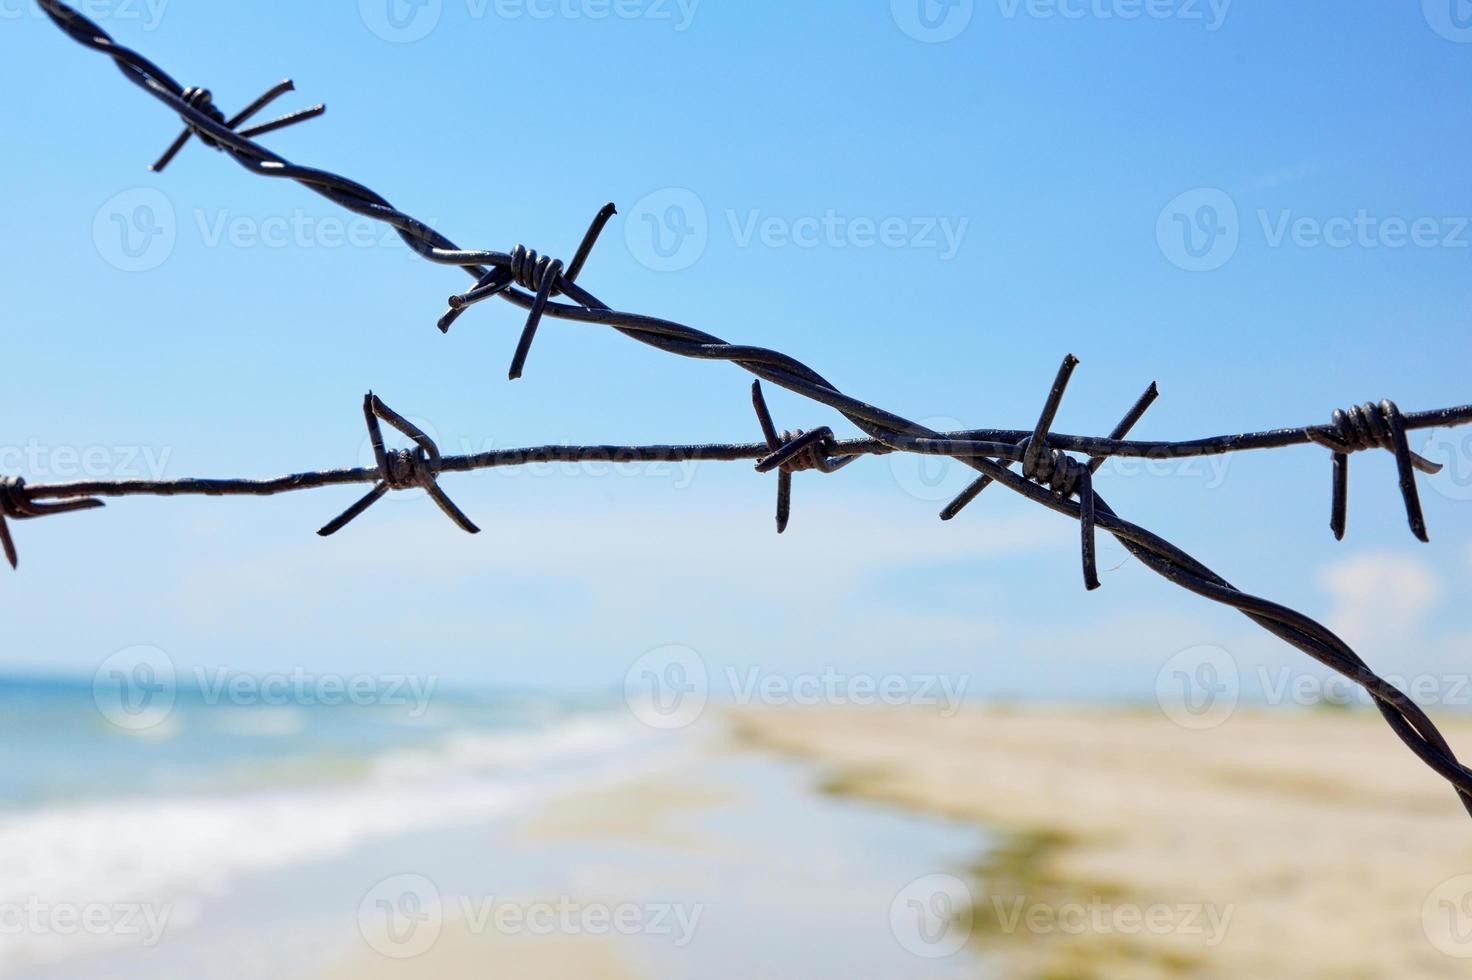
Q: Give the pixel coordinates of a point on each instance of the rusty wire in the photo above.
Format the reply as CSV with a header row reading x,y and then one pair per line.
x,y
1049,475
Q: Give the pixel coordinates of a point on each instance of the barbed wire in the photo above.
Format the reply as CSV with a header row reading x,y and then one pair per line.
x,y
1049,476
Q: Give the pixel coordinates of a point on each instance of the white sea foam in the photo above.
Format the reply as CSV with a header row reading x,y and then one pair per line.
x,y
178,853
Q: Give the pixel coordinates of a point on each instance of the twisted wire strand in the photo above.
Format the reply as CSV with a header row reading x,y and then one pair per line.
x,y
1048,477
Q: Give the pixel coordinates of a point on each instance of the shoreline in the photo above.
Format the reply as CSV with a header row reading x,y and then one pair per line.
x,y
731,866
1307,843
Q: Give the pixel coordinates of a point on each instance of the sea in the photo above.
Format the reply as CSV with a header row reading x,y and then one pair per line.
x,y
224,840
163,822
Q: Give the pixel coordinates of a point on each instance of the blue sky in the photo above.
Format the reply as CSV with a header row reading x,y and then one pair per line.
x,y
931,223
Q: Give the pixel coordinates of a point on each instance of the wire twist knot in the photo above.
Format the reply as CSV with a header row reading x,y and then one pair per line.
x,y
16,503
811,454
400,469
541,275
1059,471
1372,426
530,270
1053,468
405,469
794,451
1360,428
201,100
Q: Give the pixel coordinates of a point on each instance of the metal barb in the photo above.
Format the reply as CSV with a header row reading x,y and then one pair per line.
x,y
792,452
1372,426
1119,432
400,470
16,503
201,100
541,275
1056,468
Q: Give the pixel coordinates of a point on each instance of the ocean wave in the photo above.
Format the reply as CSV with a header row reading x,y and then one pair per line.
x,y
184,850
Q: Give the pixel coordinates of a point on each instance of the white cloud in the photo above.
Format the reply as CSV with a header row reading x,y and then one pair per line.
x,y
1381,599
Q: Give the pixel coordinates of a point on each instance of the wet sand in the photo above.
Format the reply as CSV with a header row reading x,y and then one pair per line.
x,y
1306,845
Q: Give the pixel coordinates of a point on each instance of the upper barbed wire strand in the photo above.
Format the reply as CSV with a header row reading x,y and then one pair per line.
x,y
987,451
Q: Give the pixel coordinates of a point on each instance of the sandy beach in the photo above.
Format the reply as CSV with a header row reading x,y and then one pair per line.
x,y
1084,843
462,953
1304,845
730,864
